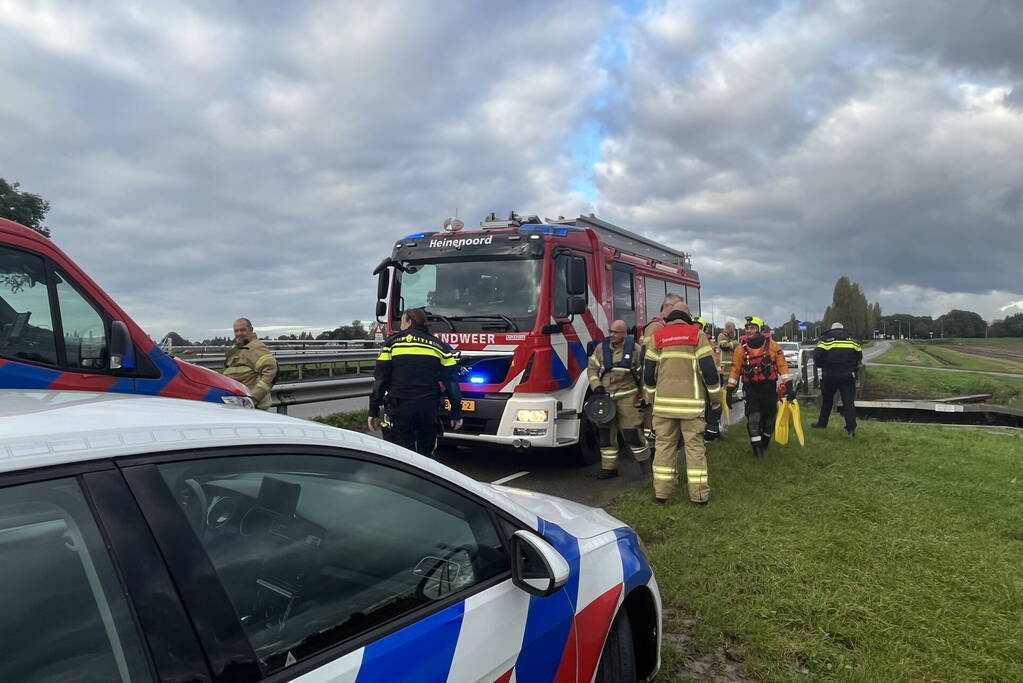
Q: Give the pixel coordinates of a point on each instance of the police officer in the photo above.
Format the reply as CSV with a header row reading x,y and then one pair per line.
x,y
838,356
760,363
251,363
680,368
614,369
409,371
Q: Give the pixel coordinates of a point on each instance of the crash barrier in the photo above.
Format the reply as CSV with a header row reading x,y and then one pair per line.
x,y
352,361
297,393
317,345
941,411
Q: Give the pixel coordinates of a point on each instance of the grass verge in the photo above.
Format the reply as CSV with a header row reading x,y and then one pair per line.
x,y
913,383
890,557
935,355
355,421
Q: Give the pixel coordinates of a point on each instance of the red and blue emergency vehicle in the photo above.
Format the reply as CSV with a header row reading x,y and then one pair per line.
x,y
59,330
520,300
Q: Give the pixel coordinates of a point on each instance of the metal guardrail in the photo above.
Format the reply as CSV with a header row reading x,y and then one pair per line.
x,y
216,362
297,393
327,345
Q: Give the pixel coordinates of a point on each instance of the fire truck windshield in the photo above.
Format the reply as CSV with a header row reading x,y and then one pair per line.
x,y
474,295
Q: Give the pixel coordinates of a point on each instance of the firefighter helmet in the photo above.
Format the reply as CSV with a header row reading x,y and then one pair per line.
x,y
754,320
600,409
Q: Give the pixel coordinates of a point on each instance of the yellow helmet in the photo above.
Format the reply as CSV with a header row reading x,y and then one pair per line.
x,y
701,322
754,320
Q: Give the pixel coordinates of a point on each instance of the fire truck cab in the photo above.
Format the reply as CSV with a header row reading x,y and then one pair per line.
x,y
59,330
520,300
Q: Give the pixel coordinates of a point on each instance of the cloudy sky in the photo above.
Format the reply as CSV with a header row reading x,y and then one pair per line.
x,y
212,159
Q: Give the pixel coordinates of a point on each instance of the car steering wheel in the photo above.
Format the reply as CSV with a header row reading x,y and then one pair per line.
x,y
194,504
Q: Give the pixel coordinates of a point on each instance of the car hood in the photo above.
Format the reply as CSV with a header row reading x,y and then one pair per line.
x,y
582,521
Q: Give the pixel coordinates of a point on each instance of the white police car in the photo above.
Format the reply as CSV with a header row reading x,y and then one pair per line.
x,y
146,539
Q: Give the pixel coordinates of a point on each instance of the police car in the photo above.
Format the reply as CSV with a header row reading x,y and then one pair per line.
x,y
154,539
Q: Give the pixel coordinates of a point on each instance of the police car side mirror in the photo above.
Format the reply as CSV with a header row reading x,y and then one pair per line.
x,y
122,350
537,567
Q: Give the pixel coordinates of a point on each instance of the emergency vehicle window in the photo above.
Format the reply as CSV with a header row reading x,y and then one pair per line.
x,y
454,289
64,614
315,550
26,326
693,299
559,306
624,301
85,332
655,292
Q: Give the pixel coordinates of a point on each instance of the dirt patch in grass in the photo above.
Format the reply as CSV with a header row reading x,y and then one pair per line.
x,y
684,660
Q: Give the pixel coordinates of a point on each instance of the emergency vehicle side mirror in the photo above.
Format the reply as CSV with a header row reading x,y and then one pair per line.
x,y
576,305
537,567
381,309
382,282
122,350
576,284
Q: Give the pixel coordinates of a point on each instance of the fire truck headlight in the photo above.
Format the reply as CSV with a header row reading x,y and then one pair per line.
x,y
531,416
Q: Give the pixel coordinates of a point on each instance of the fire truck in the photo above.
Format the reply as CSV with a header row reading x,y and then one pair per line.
x,y
520,300
59,330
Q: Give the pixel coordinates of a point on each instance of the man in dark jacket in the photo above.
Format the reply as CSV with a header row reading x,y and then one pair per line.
x,y
410,369
838,357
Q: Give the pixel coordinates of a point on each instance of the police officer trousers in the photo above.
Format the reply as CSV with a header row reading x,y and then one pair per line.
x,y
669,432
629,421
845,384
414,424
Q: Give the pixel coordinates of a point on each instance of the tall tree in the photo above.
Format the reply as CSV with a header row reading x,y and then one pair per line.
x,y
958,323
23,207
1012,326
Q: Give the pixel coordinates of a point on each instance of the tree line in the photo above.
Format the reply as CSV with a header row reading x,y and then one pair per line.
x,y
356,330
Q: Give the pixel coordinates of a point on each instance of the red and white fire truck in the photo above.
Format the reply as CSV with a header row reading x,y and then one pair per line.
x,y
519,300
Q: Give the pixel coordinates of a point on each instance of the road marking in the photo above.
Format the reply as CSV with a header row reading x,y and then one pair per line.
x,y
504,480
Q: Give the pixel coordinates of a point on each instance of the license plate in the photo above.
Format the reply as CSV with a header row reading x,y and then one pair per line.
x,y
467,406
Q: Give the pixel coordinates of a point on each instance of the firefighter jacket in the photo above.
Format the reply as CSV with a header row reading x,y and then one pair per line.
x,y
748,357
726,347
413,364
680,367
837,353
616,367
648,343
253,365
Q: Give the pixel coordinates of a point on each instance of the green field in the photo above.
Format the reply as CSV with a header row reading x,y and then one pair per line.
x,y
938,355
894,556
883,382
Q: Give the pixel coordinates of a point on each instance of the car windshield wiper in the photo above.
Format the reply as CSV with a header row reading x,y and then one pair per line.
x,y
444,319
497,316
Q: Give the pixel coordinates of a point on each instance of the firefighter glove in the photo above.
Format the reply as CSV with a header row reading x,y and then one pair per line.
x,y
601,389
790,390
728,396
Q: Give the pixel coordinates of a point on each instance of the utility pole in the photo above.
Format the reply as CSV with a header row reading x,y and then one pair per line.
x,y
910,323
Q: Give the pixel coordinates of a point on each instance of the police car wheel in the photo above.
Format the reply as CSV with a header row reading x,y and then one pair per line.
x,y
618,660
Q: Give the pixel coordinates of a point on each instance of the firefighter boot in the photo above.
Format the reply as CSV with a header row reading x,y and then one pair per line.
x,y
756,439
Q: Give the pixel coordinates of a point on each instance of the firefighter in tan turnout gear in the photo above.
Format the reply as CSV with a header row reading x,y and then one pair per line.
x,y
671,302
680,368
614,369
251,363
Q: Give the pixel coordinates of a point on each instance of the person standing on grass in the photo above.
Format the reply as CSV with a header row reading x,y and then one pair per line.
x,y
411,367
760,363
672,301
838,356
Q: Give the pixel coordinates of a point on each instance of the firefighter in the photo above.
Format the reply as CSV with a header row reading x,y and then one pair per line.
x,y
411,367
670,303
713,416
679,366
251,363
726,347
838,356
614,369
760,363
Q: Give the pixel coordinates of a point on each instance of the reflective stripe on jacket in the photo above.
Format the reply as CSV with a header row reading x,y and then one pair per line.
x,y
837,353
413,364
648,343
253,365
619,381
680,368
726,346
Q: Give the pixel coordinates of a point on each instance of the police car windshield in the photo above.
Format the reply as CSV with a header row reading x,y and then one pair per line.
x,y
475,295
